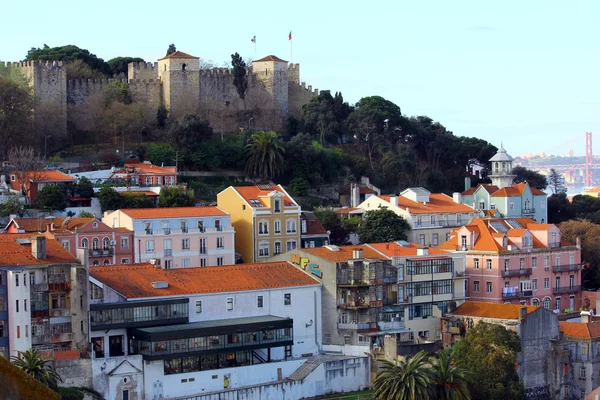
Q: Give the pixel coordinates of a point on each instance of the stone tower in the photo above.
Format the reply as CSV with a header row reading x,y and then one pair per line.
x,y
179,74
501,169
272,71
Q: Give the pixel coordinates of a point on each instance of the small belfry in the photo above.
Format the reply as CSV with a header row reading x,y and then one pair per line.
x,y
501,169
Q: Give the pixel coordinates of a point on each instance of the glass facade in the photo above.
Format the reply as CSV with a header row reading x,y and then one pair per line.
x,y
431,266
426,309
429,288
130,314
207,362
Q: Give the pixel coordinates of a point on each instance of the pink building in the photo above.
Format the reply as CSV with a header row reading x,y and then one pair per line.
x,y
107,246
519,261
178,237
144,173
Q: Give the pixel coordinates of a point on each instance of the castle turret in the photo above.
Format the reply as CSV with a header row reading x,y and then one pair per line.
x,y
180,76
501,169
272,71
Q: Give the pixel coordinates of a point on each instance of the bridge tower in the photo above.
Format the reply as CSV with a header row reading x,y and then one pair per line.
x,y
589,157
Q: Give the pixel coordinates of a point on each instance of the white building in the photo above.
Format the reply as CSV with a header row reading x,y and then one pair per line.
x,y
180,333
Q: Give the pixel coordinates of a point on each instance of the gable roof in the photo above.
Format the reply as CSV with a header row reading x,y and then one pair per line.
x,y
313,225
13,254
144,169
135,281
491,310
438,203
342,253
174,212
509,191
580,330
486,186
394,249
179,54
270,58
49,176
257,191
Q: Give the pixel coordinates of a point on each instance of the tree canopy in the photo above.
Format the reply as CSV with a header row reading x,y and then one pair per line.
x,y
265,155
84,187
120,65
535,179
176,197
383,225
556,182
172,49
52,198
589,234
240,79
69,53
331,221
16,114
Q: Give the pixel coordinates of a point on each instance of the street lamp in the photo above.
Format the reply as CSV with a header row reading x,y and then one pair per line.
x,y
46,146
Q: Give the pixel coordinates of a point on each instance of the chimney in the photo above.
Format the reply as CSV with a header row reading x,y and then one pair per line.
x,y
467,183
578,242
357,253
394,200
522,314
457,197
38,247
422,251
586,317
83,254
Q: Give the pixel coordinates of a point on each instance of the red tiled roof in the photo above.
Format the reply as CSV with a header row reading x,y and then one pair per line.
x,y
15,254
508,191
313,225
270,58
366,190
469,192
348,210
41,224
49,176
343,254
178,54
255,192
135,281
490,310
438,203
393,249
145,169
486,186
580,330
173,212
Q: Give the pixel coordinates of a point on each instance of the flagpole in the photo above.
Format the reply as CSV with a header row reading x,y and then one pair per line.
x,y
291,48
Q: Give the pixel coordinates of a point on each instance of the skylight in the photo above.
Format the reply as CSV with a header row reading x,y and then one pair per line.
x,y
498,226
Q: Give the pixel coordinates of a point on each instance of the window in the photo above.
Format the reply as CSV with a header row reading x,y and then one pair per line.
x,y
546,283
84,243
533,262
168,246
259,301
168,264
488,287
124,242
291,226
277,206
203,262
557,303
219,260
290,245
27,330
198,307
95,244
165,227
582,369
557,282
105,243
277,248
185,263
546,303
447,236
148,228
125,393
535,302
263,249
149,246
31,278
203,246
124,260
220,243
534,284
185,244
229,306
476,263
287,299
263,227
482,205
66,244
492,206
521,264
17,305
218,226
419,220
422,240
463,242
200,226
17,281
18,332
506,264
277,226
434,239
511,206
546,262
25,305
183,226
476,286
488,264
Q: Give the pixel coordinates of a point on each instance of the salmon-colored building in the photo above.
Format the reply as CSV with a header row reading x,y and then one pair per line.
x,y
145,173
519,261
36,180
107,246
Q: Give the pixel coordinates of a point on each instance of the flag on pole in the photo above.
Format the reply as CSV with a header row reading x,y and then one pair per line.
x,y
253,40
290,36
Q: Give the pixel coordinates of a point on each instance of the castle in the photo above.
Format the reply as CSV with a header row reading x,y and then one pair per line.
x,y
178,83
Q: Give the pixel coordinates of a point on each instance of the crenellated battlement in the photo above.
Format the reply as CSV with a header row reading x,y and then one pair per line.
x,y
144,65
91,82
216,72
32,63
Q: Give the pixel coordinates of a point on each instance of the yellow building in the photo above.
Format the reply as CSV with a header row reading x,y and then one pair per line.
x,y
266,220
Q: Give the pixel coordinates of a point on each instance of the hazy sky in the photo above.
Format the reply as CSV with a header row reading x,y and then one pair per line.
x,y
524,72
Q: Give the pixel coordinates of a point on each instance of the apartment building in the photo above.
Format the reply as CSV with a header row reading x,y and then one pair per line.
x,y
145,173
519,261
43,295
266,220
107,246
178,237
199,331
312,232
431,216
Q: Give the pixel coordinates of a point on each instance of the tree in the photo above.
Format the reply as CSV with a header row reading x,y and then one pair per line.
x,y
240,80
12,207
172,49
383,225
86,214
176,197
589,234
110,199
78,69
16,114
265,155
52,198
120,65
160,153
559,208
187,134
26,165
331,221
32,363
299,186
535,179
117,91
556,182
69,53
84,187
450,380
408,379
489,351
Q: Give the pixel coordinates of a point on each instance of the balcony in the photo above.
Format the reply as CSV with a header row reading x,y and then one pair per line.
x,y
102,253
149,232
357,326
203,250
390,325
59,286
40,287
167,231
60,312
517,294
184,230
528,211
553,245
566,289
168,252
138,314
516,272
566,268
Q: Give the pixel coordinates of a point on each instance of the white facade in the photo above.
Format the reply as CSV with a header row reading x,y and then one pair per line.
x,y
19,319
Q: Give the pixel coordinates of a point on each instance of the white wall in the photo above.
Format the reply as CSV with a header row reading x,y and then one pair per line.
x,y
21,319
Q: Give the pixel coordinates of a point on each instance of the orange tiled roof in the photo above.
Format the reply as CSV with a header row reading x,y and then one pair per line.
x,y
255,192
41,224
145,169
580,330
488,188
49,176
135,281
508,191
537,192
516,232
490,310
343,254
469,191
144,192
438,203
178,54
270,58
347,210
173,212
14,254
393,249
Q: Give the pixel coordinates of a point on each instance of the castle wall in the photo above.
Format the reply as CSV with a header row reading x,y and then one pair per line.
x,y
142,70
298,95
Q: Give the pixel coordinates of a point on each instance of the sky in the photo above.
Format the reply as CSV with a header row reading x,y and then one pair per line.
x,y
524,73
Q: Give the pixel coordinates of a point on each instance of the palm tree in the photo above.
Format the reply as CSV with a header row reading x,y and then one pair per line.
x,y
265,155
409,379
449,379
32,363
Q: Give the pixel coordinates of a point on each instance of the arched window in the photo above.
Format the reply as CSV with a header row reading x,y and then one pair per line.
x,y
106,262
85,243
95,244
96,262
546,302
105,243
535,302
183,67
